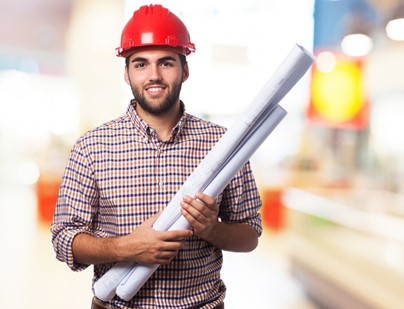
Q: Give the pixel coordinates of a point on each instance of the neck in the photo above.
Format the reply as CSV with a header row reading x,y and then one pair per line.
x,y
164,123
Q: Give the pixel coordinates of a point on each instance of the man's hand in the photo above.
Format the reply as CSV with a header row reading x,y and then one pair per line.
x,y
202,213
149,246
144,245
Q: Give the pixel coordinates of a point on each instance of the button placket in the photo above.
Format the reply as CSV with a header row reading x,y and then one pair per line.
x,y
160,163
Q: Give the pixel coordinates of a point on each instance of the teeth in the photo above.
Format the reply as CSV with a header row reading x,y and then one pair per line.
x,y
154,89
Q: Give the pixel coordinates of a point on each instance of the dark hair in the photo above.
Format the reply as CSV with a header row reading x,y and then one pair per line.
x,y
183,60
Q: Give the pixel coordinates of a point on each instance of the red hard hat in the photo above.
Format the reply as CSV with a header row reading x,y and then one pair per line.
x,y
154,25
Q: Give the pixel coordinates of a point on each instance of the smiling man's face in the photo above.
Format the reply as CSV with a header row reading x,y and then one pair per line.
x,y
155,77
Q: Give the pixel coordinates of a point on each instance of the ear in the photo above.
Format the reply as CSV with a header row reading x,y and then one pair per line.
x,y
185,73
126,75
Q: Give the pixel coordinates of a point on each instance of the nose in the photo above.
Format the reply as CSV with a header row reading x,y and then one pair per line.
x,y
155,74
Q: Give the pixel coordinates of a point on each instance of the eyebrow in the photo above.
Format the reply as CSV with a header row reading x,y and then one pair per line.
x,y
142,59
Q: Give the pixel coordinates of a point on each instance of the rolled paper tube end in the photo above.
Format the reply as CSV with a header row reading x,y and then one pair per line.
x,y
103,292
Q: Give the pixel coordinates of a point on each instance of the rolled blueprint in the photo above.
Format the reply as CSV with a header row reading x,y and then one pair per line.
x,y
218,167
141,273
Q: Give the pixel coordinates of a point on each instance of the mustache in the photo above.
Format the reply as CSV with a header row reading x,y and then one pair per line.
x,y
155,83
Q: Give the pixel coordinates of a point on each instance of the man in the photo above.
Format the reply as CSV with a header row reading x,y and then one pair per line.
x,y
121,175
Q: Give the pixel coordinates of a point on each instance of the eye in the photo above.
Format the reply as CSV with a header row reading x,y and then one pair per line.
x,y
166,64
139,65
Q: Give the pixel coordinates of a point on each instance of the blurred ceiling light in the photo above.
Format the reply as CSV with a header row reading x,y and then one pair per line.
x,y
395,29
357,41
356,45
395,24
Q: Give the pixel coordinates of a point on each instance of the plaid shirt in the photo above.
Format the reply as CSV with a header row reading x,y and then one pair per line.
x,y
119,174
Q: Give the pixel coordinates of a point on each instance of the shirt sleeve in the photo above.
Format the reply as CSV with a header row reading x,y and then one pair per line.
x,y
241,202
76,206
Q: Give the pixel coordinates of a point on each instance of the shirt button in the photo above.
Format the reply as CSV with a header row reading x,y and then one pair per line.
x,y
161,183
146,140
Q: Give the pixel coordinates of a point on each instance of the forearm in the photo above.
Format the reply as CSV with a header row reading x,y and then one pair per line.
x,y
236,237
144,245
88,249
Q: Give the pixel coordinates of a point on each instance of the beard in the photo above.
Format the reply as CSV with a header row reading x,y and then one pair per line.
x,y
160,106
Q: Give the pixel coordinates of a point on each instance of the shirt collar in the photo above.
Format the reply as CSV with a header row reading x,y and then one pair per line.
x,y
145,130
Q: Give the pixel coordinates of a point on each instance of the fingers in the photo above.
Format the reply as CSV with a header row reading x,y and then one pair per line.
x,y
206,199
176,235
200,201
202,214
165,257
171,244
147,227
202,204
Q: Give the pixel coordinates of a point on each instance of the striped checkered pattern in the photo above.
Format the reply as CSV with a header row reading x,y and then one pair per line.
x,y
119,174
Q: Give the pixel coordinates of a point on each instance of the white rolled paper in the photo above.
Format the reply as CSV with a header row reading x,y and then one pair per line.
x,y
141,273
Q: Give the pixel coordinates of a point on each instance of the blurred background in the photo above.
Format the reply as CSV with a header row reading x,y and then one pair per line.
x,y
331,175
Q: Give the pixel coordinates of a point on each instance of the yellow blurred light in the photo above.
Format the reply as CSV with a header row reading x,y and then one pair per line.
x,y
337,95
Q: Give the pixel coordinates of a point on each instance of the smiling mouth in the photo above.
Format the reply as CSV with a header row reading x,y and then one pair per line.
x,y
155,90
